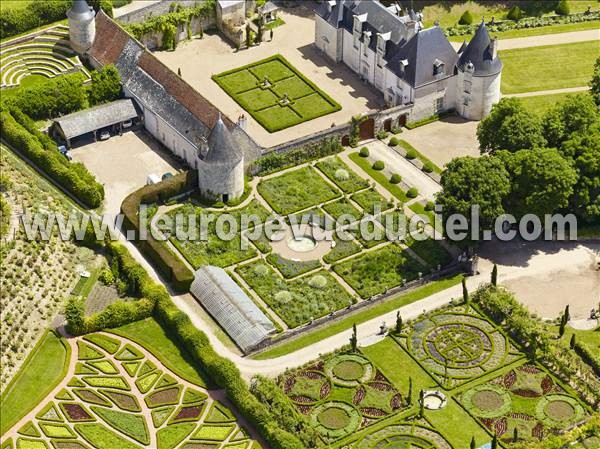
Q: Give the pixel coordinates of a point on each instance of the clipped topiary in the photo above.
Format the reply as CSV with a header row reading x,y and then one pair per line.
x,y
378,165
466,18
283,297
412,192
514,13
394,141
429,206
364,152
428,167
411,154
261,270
395,178
562,9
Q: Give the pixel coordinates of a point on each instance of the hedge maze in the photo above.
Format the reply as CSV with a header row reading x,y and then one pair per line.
x,y
118,398
526,400
341,394
275,93
47,55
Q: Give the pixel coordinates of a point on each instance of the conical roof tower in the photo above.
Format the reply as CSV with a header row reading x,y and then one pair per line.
x,y
481,52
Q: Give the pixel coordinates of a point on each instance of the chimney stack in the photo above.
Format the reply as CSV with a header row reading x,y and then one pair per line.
x,y
494,48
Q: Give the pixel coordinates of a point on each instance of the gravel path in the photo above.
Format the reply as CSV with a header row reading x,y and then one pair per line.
x,y
566,90
546,39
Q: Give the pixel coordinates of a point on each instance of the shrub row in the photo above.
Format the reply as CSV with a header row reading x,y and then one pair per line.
x,y
276,161
588,356
20,132
170,265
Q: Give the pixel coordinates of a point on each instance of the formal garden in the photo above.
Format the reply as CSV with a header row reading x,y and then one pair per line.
x,y
121,398
300,288
275,93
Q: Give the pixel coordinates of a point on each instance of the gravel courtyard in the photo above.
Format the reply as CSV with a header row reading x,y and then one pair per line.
x,y
123,163
199,59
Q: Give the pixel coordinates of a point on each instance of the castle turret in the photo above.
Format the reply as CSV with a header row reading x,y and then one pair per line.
x,y
82,27
221,170
479,72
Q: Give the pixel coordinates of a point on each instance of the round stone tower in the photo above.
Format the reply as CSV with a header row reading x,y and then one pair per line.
x,y
82,27
478,77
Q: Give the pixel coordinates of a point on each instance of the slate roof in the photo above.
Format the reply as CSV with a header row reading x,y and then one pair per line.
x,y
479,53
268,7
88,120
158,87
222,147
422,50
243,321
80,11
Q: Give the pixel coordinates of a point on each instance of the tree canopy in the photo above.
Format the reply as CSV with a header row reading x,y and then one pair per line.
x,y
106,85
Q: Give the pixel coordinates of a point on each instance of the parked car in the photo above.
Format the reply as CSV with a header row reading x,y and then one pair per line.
x,y
65,152
167,175
127,124
152,179
104,135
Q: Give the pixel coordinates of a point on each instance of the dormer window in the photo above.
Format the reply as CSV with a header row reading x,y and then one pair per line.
x,y
366,41
438,67
357,29
403,65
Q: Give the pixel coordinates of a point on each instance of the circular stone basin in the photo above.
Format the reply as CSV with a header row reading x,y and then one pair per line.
x,y
560,411
348,370
434,400
334,418
487,400
302,245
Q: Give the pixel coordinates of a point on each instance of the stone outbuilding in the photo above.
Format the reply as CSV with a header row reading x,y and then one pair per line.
x,y
221,168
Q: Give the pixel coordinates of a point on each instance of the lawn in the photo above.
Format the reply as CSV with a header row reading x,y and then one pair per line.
x,y
296,190
151,335
275,93
45,367
548,67
297,301
362,316
378,176
539,104
377,271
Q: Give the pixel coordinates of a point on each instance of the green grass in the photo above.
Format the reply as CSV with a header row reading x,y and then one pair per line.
x,y
548,67
100,436
85,285
371,201
378,176
269,26
539,31
44,368
131,425
151,335
591,338
14,4
296,190
381,308
307,101
169,437
424,159
539,104
377,271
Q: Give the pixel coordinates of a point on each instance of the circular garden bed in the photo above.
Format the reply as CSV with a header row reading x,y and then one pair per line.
x,y
404,436
487,401
335,420
349,369
559,410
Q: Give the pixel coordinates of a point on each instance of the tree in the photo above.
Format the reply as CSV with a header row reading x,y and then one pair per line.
x,y
562,9
421,403
398,323
515,435
595,82
572,342
466,18
514,13
495,442
410,388
179,71
474,181
577,113
567,314
248,36
494,277
582,150
473,445
271,34
106,85
510,126
561,328
354,338
75,316
465,291
542,182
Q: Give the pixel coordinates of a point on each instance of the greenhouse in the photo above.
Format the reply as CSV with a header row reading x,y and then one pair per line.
x,y
231,307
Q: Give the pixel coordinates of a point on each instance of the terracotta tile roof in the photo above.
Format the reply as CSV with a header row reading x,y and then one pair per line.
x,y
185,94
109,41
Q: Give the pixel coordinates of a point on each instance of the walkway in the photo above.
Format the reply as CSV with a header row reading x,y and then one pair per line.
x,y
546,39
566,90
